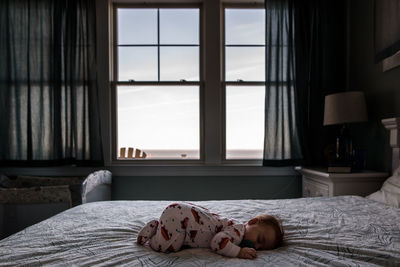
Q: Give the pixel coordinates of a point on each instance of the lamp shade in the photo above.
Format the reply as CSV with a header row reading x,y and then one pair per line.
x,y
345,107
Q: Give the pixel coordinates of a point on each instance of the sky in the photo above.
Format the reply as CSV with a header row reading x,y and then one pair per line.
x,y
168,117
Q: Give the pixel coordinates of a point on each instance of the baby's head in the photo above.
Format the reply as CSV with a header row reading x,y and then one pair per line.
x,y
265,231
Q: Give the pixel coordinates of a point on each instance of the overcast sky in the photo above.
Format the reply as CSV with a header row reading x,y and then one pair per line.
x,y
167,117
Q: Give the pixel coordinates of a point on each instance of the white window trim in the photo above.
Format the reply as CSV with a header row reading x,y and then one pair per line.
x,y
224,84
114,83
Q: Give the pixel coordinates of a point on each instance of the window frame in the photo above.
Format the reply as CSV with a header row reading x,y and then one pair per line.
x,y
212,84
115,83
224,83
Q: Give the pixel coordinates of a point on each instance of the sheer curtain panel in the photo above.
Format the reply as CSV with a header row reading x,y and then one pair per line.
x,y
282,142
48,91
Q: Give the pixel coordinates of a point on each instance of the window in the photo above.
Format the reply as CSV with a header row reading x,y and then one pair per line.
x,y
244,82
158,83
170,103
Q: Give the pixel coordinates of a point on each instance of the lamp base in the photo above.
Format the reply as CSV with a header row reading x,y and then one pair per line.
x,y
344,147
343,158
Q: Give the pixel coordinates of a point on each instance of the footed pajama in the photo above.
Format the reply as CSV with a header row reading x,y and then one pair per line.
x,y
185,224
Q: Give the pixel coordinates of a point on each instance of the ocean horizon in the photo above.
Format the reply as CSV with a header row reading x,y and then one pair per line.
x,y
194,154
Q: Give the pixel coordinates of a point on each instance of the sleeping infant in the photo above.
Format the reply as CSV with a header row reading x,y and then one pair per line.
x,y
188,225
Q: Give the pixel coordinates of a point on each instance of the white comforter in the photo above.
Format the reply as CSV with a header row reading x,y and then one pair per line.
x,y
350,230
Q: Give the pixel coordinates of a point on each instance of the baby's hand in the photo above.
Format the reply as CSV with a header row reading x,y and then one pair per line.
x,y
247,253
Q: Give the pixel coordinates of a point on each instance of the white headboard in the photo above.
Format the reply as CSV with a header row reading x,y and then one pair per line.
x,y
393,125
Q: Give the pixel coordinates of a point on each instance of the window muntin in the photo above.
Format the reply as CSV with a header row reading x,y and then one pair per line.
x,y
167,33
244,74
244,44
158,87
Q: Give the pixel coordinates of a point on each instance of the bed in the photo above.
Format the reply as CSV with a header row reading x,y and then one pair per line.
x,y
346,230
336,231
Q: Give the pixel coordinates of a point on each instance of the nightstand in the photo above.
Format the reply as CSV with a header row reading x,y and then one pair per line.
x,y
317,182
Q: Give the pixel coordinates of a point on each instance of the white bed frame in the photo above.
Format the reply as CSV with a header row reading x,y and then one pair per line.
x,y
393,125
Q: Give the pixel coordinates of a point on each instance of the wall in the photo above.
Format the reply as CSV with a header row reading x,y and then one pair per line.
x,y
198,183
186,182
382,89
383,99
205,187
146,183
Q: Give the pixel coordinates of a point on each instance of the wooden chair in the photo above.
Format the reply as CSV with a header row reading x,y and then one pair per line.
x,y
139,154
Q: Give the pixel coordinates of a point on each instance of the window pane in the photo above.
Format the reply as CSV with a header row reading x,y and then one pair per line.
x,y
245,26
178,63
137,26
244,122
179,26
163,121
137,63
245,63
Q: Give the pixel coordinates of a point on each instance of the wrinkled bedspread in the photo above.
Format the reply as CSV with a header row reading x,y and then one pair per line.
x,y
340,231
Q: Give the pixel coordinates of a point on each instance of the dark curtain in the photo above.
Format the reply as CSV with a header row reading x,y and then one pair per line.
x,y
305,60
282,140
48,91
321,60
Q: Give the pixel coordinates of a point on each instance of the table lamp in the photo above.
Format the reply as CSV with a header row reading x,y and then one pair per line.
x,y
344,108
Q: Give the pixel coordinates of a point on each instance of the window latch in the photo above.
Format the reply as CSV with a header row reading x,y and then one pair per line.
x,y
239,80
131,81
183,80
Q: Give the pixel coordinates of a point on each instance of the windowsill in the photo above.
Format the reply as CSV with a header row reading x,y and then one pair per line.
x,y
184,163
193,170
152,170
197,168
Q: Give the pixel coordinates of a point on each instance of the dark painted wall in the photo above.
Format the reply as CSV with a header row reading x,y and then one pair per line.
x,y
383,99
205,187
382,89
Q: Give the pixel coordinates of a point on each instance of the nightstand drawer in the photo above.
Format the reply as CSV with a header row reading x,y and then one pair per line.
x,y
319,182
314,189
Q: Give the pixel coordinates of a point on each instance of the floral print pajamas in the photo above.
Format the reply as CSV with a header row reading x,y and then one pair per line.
x,y
185,224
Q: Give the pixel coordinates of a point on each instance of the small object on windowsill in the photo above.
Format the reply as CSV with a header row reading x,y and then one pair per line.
x,y
122,151
130,152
